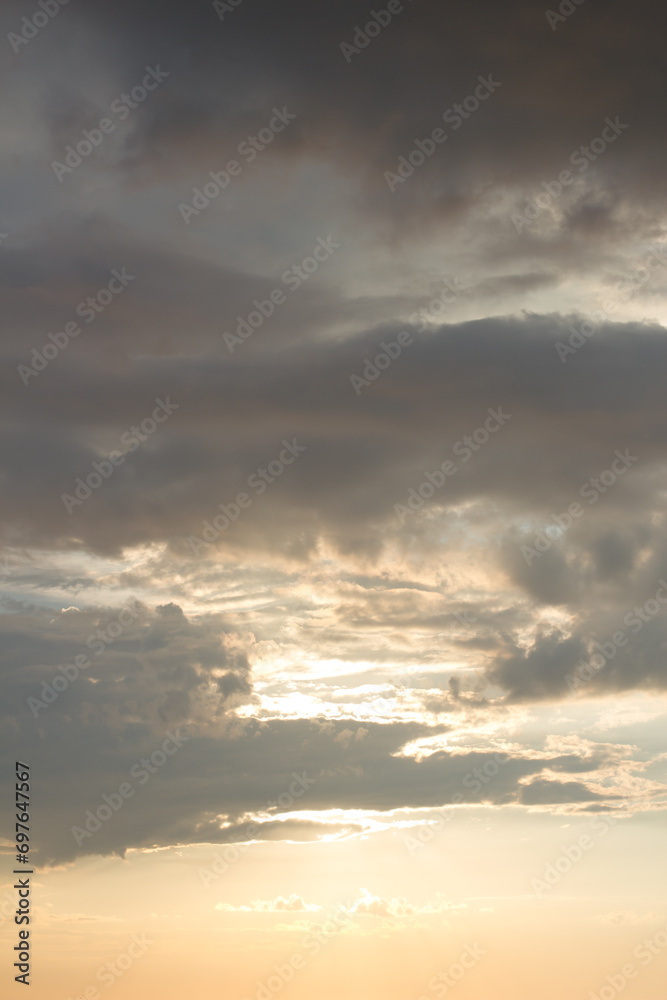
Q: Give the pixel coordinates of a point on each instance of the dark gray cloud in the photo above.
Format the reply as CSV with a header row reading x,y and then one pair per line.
x,y
448,617
207,789
159,674
361,451
557,87
129,661
363,455
543,792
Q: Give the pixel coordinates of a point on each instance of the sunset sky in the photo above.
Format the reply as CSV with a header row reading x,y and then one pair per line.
x,y
333,466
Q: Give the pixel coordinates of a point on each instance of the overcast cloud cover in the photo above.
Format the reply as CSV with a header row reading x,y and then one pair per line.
x,y
380,574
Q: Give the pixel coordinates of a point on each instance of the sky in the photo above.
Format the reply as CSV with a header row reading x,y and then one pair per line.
x,y
333,579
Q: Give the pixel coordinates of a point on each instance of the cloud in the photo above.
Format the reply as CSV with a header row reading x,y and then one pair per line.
x,y
284,776
359,617
293,904
543,792
132,661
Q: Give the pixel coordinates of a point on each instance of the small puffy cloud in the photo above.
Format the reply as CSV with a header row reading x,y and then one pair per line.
x,y
293,904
